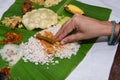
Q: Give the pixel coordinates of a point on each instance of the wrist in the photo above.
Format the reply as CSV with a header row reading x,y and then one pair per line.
x,y
115,34
117,29
107,29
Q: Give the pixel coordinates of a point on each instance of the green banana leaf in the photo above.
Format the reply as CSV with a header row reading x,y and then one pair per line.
x,y
30,71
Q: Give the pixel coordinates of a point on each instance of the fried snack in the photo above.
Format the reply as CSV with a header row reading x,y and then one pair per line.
x,y
39,18
13,22
5,73
49,3
40,2
46,3
49,40
12,37
27,6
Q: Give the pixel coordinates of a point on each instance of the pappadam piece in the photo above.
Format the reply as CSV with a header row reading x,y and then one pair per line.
x,y
46,3
40,2
39,18
49,3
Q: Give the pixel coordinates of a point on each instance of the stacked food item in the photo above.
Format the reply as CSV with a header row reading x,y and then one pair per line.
x,y
42,47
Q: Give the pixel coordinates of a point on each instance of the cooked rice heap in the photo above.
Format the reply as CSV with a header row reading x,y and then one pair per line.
x,y
34,51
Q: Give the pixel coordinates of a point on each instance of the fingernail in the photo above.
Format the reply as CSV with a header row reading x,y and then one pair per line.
x,y
62,42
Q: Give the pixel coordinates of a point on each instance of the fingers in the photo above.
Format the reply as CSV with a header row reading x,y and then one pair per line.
x,y
72,38
64,30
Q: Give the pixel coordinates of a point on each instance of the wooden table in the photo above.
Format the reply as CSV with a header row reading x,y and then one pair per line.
x,y
115,70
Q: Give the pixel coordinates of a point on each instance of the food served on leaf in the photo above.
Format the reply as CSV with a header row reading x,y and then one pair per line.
x,y
40,50
40,2
48,41
73,9
11,53
12,37
12,22
47,3
63,19
27,6
4,73
39,18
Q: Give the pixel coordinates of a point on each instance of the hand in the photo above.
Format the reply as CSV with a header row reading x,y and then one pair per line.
x,y
84,27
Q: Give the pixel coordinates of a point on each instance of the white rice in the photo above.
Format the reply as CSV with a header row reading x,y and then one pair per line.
x,y
33,51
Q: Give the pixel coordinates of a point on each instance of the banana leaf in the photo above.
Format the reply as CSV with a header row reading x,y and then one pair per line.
x,y
30,71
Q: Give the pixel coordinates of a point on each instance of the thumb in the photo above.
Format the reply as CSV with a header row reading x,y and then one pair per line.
x,y
72,38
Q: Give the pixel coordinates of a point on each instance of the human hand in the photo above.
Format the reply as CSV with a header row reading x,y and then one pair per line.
x,y
84,27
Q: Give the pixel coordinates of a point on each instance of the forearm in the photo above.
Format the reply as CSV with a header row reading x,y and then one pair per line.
x,y
107,29
111,29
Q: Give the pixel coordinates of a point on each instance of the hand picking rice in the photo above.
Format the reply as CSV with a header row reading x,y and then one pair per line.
x,y
34,51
